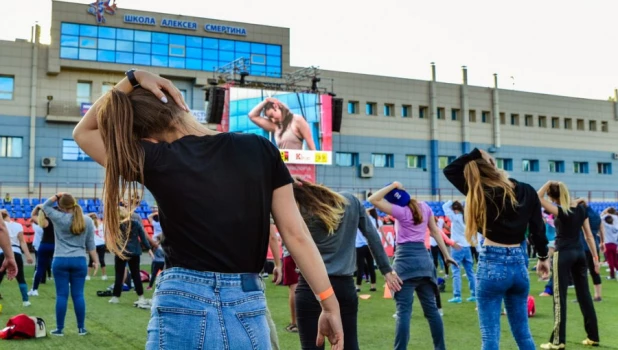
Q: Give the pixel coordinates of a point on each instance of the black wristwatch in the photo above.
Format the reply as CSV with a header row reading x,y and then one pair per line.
x,y
131,76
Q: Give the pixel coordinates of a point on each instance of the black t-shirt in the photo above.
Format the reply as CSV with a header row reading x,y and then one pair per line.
x,y
214,195
48,233
505,224
568,226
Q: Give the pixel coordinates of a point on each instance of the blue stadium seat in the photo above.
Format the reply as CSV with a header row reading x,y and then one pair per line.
x,y
16,201
28,208
18,215
35,201
25,201
97,201
81,202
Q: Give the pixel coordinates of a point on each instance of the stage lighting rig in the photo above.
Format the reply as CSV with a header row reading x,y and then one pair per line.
x,y
310,73
228,71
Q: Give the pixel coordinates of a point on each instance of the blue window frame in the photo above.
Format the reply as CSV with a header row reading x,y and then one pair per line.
x,y
504,164
346,159
7,86
416,161
72,152
530,165
405,111
11,146
580,167
556,166
604,168
382,160
352,107
128,46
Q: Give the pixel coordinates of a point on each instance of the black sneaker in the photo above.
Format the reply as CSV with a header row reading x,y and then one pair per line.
x,y
57,333
82,331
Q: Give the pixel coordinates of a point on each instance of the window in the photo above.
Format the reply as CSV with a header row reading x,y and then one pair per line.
x,y
485,117
555,122
71,151
405,111
389,109
529,120
504,164
542,121
580,124
382,160
346,159
10,146
83,92
568,123
472,116
415,162
106,87
422,112
7,86
604,168
502,118
592,125
150,48
604,127
530,165
580,167
454,114
443,161
556,166
514,119
441,113
352,107
370,108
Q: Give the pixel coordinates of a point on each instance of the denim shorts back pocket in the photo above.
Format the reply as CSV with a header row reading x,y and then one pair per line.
x,y
492,271
180,328
256,326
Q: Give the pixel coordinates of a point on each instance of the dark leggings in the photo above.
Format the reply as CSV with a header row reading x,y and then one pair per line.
x,y
23,287
308,311
154,271
363,256
435,253
101,254
475,254
596,278
120,266
44,257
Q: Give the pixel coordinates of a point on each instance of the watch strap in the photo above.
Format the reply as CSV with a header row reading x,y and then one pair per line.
x,y
131,76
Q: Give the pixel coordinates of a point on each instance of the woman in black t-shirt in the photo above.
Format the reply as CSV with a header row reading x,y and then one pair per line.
x,y
45,253
569,259
142,132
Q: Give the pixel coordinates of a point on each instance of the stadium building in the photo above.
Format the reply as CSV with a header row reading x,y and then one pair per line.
x,y
392,128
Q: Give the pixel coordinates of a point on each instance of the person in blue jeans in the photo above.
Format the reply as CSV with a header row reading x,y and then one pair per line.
x,y
45,251
74,236
501,209
463,256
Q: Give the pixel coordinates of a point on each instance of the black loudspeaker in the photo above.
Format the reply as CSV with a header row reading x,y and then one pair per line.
x,y
216,102
337,112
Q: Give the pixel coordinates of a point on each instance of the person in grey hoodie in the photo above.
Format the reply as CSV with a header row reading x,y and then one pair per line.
x,y
74,236
333,220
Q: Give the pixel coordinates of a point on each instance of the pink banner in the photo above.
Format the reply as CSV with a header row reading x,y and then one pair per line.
x,y
327,122
305,171
225,119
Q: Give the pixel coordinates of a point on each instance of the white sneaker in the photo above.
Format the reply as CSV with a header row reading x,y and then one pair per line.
x,y
143,303
87,278
33,293
104,277
27,303
395,315
114,300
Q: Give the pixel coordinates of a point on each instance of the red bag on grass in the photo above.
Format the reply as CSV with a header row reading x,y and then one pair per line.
x,y
531,306
24,327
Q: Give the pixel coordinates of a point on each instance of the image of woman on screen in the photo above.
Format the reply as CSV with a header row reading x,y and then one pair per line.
x,y
290,129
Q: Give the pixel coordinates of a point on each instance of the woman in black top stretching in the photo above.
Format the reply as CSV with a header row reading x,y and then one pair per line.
x,y
45,253
501,209
142,132
570,259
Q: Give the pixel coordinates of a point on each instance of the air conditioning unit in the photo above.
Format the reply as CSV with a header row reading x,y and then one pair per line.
x,y
366,170
615,155
48,162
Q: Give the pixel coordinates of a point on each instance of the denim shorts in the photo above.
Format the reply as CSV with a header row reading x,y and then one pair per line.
x,y
195,310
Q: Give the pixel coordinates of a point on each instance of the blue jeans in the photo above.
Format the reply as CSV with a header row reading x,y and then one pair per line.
x,y
70,274
502,274
425,289
463,257
44,257
208,311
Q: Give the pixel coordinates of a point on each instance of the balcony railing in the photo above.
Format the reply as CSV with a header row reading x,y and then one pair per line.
x,y
64,111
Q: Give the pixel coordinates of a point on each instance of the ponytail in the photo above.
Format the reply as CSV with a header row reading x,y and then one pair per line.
x,y
42,219
417,214
124,166
68,203
565,198
474,212
609,220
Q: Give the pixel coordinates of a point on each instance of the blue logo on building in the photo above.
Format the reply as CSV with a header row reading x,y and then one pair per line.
x,y
100,7
215,28
172,23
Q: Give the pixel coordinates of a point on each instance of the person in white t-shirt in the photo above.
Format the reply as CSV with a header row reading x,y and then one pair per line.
x,y
99,242
16,235
155,222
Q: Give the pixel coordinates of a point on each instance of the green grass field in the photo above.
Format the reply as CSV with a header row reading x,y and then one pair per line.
x,y
124,327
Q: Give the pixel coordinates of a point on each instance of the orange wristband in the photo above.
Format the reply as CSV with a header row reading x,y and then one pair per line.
x,y
325,294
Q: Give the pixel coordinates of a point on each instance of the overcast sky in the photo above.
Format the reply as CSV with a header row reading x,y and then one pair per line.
x,y
562,47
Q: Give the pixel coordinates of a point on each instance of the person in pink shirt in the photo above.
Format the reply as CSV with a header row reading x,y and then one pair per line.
x,y
413,264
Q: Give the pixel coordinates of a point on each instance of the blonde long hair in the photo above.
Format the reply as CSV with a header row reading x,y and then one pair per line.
x,y
42,219
483,180
68,203
559,193
321,202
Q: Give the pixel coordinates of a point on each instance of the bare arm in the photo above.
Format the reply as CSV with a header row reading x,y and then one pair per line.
x,y
257,119
378,201
87,135
24,247
305,132
602,234
592,244
547,205
435,233
273,243
5,241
